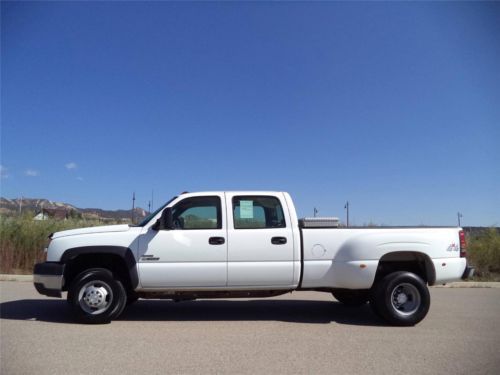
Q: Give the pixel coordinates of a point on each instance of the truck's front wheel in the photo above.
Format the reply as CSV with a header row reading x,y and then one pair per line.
x,y
96,296
401,298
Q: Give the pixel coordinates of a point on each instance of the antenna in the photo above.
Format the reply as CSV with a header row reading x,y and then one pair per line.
x,y
152,195
133,207
346,207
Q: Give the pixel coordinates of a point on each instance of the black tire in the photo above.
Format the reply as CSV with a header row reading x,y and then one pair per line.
x,y
131,298
352,297
375,309
401,298
96,297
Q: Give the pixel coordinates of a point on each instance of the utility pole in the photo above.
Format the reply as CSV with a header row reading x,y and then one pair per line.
x,y
346,207
149,206
21,206
315,212
133,207
459,216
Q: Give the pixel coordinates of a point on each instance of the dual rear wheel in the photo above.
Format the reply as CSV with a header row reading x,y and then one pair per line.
x,y
401,298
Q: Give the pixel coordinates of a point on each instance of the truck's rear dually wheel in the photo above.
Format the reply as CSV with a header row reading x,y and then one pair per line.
x,y
401,298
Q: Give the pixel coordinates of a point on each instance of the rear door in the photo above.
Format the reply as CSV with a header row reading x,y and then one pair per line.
x,y
260,241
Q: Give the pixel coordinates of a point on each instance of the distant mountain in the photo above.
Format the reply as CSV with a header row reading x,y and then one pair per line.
x,y
12,207
32,204
116,215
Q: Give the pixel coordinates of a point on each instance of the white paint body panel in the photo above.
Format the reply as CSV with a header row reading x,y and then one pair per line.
x,y
92,230
333,257
447,269
183,258
182,275
61,241
252,259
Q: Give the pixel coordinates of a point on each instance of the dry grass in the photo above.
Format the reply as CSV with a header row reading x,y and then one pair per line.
x,y
22,240
484,254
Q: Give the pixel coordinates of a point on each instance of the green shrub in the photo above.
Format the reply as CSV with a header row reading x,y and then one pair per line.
x,y
484,254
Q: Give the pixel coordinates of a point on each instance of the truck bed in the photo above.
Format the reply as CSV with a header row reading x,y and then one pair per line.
x,y
348,257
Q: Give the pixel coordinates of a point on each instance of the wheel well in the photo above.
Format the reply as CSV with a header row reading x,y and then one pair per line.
x,y
410,261
115,263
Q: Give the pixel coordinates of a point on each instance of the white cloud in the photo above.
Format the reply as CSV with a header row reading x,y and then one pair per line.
x,y
70,166
4,172
31,173
79,178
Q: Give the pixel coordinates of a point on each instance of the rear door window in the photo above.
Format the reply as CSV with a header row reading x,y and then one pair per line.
x,y
254,212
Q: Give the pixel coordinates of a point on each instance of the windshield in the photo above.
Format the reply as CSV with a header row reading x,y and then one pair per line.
x,y
150,216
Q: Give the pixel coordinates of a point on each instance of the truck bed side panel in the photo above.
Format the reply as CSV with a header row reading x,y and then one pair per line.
x,y
348,258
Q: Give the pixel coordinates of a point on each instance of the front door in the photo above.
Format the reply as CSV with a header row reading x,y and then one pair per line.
x,y
194,254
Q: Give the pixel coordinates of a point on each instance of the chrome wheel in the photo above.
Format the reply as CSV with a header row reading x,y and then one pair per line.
x,y
405,299
95,297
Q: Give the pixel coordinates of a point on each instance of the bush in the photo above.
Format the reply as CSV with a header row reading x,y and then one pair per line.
x,y
22,240
484,254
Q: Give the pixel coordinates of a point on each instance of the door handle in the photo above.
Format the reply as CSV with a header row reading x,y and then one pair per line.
x,y
216,240
278,240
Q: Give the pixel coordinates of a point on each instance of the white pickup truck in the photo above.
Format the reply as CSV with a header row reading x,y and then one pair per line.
x,y
248,244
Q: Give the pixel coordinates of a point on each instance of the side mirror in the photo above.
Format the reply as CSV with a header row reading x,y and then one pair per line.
x,y
156,225
165,222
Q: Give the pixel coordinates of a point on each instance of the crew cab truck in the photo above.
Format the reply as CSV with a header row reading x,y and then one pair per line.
x,y
247,244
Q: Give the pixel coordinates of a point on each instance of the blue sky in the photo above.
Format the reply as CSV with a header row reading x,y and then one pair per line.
x,y
392,106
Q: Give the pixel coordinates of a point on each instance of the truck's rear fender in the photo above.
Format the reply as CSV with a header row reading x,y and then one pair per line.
x,y
361,274
356,258
119,260
411,261
431,254
375,245
379,254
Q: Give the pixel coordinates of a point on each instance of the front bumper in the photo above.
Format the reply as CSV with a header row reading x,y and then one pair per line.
x,y
48,278
468,273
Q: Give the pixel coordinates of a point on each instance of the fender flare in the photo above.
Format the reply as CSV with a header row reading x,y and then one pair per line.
x,y
123,252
